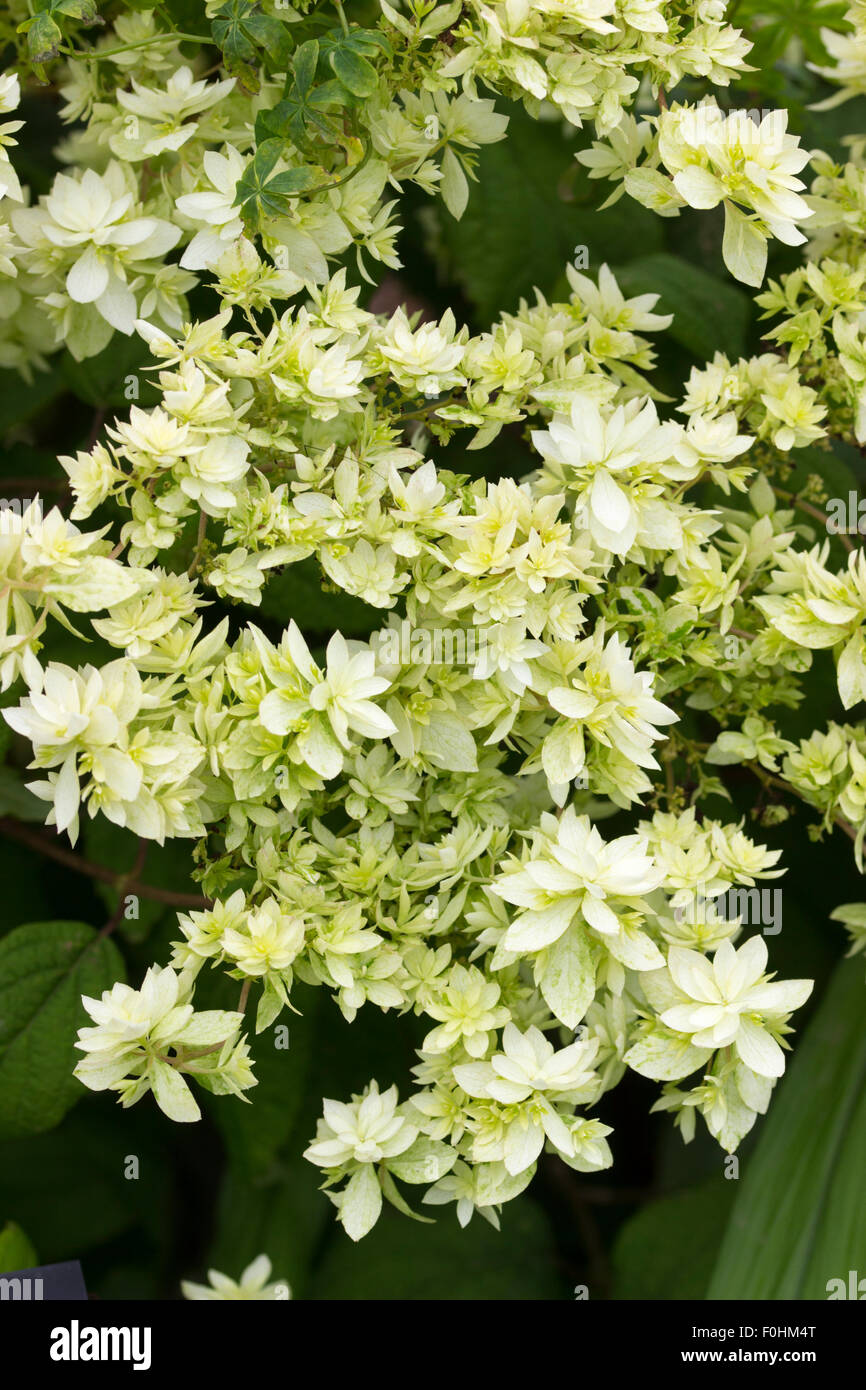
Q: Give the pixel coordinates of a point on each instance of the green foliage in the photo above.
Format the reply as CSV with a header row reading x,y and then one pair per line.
x,y
16,1252
799,1220
114,378
668,1249
165,868
258,194
305,110
710,314
405,1261
15,799
323,609
242,31
46,28
349,55
255,1135
45,967
21,400
70,1192
775,25
529,213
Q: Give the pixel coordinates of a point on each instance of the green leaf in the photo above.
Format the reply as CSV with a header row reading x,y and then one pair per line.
x,y
83,10
250,194
45,967
780,22
302,113
291,182
356,73
16,1251
710,314
34,887
19,400
518,231
271,35
667,1250
44,38
304,65
799,1220
240,29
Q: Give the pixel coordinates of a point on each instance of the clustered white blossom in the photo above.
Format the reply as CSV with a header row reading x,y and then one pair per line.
x,y
157,164
421,833
701,156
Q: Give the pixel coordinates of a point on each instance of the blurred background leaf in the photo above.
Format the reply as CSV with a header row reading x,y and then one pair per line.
x,y
710,314
45,967
401,1259
16,1251
668,1249
527,216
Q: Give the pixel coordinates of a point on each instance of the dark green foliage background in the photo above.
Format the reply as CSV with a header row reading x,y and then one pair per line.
x,y
665,1222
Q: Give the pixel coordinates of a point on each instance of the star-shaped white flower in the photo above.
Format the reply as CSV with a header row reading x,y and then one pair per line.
x,y
728,1001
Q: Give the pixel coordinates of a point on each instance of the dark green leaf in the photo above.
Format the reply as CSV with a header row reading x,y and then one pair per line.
x,y
402,1260
302,114
114,377
19,399
71,1189
16,1251
710,314
241,30
799,1220
284,1219
45,967
292,181
229,35
667,1250
518,231
355,72
165,867
271,35
251,196
304,65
